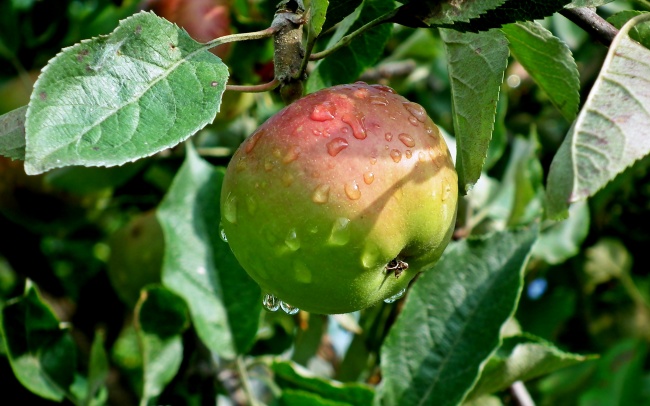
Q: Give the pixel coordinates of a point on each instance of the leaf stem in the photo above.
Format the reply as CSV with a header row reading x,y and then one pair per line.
x,y
266,33
521,394
243,377
348,38
588,20
255,88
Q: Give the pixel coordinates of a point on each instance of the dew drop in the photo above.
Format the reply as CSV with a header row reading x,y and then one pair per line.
x,y
395,297
222,234
370,256
396,155
241,164
416,111
214,84
276,152
336,145
251,204
378,100
271,303
356,123
287,179
373,160
321,194
368,177
317,133
302,273
252,141
422,157
352,190
446,190
383,88
413,121
291,155
388,136
288,309
323,112
230,208
408,154
268,164
340,234
361,93
406,140
292,241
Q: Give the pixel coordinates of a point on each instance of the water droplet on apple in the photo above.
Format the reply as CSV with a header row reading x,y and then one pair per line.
x,y
321,194
396,155
253,140
291,155
292,241
408,154
241,164
340,234
271,303
336,145
268,164
222,233
276,152
406,140
287,179
388,136
352,190
323,112
288,309
251,204
303,274
370,256
446,190
317,133
368,177
378,100
373,160
230,208
356,123
383,88
416,111
422,157
395,297
361,93
413,121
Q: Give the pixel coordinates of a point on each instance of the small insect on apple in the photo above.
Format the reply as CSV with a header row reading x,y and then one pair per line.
x,y
337,201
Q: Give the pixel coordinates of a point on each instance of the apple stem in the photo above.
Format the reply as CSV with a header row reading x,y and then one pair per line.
x,y
265,87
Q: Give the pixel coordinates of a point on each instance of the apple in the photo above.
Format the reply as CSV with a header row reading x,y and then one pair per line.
x,y
337,201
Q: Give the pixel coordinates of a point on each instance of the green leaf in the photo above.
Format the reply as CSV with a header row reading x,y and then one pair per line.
x,y
292,397
639,33
451,321
587,3
610,132
511,11
562,240
161,317
293,376
317,12
12,133
521,358
198,265
550,63
477,63
619,376
98,367
338,10
346,64
430,13
117,98
41,354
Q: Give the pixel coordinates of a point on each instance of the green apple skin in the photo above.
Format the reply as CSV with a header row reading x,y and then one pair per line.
x,y
328,191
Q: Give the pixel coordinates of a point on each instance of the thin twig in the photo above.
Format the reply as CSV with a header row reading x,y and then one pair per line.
x,y
595,25
265,87
520,394
246,386
266,33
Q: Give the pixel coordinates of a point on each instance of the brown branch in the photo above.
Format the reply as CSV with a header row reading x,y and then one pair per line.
x,y
264,87
595,25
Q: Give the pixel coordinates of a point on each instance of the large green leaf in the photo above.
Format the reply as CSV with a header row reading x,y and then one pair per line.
x,y
549,61
41,354
161,318
610,133
12,133
521,358
338,10
435,12
292,376
198,265
346,64
477,63
451,321
117,98
562,240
